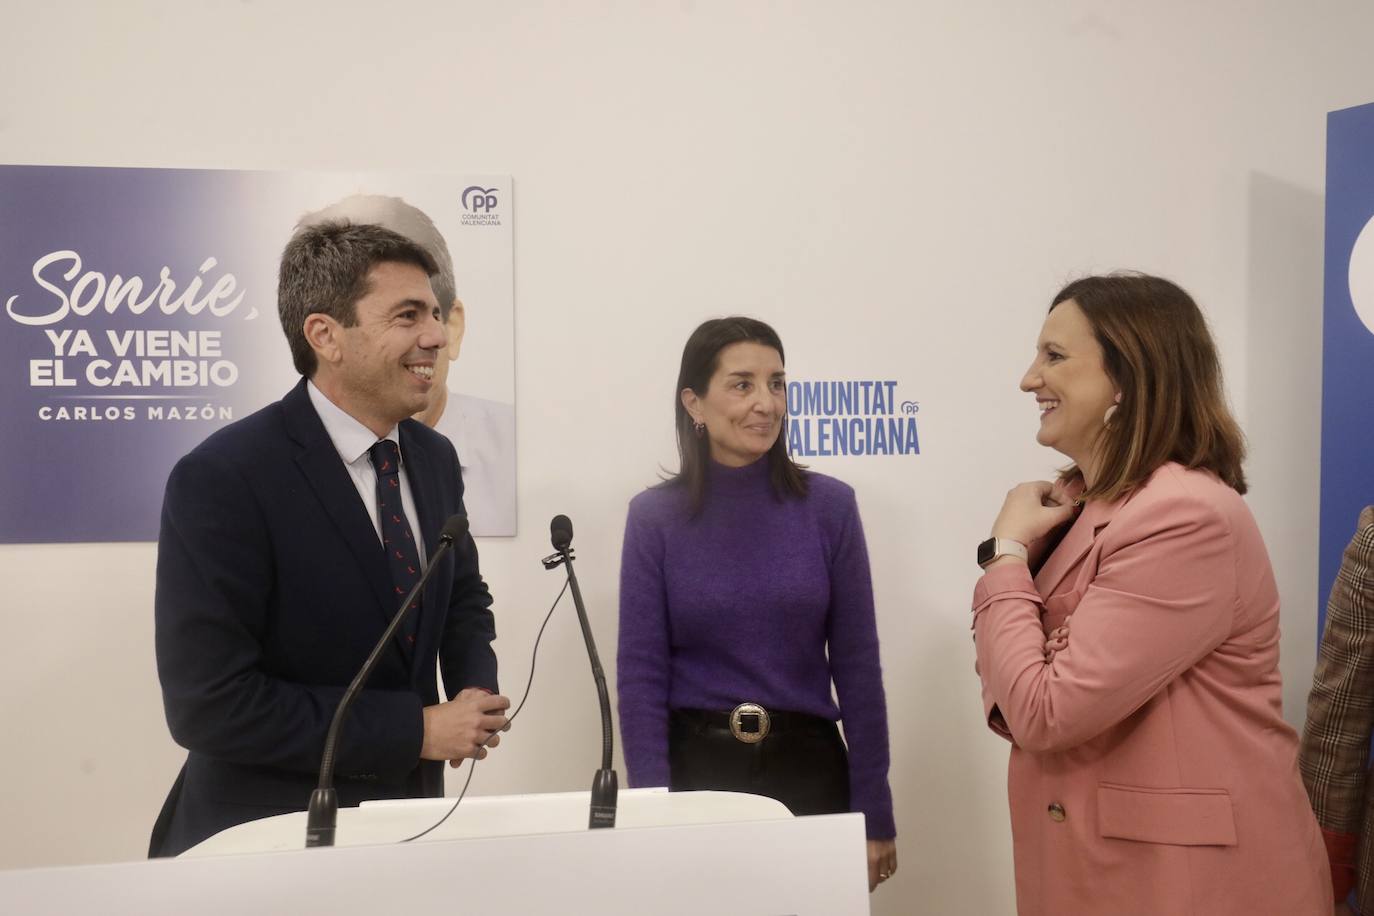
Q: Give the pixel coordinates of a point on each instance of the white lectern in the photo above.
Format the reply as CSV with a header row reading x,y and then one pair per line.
x,y
679,853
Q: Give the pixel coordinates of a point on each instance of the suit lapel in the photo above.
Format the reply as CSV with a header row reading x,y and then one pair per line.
x,y
420,469
327,476
1094,517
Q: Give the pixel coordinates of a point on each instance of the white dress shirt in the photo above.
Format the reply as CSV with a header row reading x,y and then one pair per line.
x,y
352,440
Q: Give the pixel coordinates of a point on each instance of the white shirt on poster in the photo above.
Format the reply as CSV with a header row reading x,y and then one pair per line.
x,y
483,434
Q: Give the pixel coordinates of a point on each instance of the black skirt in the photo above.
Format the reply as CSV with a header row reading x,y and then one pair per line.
x,y
802,762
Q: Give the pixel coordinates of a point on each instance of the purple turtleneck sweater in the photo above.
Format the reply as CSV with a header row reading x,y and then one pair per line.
x,y
740,605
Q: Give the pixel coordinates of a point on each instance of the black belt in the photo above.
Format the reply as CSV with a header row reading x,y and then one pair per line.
x,y
751,723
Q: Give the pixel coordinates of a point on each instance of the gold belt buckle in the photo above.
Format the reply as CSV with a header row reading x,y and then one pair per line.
x,y
749,723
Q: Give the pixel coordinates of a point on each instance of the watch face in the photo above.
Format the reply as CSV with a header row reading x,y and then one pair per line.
x,y
986,551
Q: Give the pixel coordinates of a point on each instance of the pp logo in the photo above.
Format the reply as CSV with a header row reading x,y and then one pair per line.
x,y
477,199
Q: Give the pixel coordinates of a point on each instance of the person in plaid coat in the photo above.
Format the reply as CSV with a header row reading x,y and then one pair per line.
x,y
1340,722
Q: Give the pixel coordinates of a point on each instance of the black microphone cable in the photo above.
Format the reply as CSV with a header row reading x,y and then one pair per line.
x,y
528,684
322,815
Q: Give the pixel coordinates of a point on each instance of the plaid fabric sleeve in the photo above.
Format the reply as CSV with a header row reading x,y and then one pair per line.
x,y
1340,709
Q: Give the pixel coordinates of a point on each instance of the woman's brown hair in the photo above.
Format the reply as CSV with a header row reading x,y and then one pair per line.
x,y
1157,349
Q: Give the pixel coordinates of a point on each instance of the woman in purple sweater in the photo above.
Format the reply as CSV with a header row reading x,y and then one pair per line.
x,y
744,593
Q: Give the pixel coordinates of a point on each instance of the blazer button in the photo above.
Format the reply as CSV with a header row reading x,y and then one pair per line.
x,y
1057,813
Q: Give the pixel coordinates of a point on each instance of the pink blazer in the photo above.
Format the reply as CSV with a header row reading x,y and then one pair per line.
x,y
1137,677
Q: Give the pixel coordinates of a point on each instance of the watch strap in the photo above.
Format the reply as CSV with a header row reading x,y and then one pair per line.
x,y
995,548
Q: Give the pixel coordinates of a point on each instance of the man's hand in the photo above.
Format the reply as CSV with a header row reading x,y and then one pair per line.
x,y
465,726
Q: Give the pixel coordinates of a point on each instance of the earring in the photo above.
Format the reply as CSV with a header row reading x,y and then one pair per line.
x,y
1107,417
699,428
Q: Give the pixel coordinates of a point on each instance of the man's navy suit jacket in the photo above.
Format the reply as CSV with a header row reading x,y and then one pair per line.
x,y
272,588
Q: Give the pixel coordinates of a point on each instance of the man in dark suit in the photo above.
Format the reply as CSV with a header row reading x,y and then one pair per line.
x,y
273,583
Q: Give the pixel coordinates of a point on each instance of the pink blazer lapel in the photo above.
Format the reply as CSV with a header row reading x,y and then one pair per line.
x,y
1075,545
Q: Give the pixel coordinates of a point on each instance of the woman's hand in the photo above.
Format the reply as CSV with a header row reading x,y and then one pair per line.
x,y
882,861
1032,510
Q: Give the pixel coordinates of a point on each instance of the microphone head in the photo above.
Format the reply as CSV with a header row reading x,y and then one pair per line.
x,y
560,532
455,529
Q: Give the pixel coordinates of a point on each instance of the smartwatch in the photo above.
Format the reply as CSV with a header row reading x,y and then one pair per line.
x,y
993,548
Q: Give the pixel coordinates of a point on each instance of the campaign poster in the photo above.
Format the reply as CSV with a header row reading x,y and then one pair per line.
x,y
140,316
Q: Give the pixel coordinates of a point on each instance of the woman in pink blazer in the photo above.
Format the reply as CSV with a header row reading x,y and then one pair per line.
x,y
1135,669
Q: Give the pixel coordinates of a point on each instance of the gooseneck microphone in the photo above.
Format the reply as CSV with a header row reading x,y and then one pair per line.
x,y
323,813
604,786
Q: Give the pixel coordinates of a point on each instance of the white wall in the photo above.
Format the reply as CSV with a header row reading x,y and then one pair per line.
x,y
898,186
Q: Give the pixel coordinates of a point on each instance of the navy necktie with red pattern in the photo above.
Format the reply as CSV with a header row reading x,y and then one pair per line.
x,y
402,556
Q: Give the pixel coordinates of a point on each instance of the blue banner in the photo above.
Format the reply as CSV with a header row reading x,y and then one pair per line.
x,y
1347,463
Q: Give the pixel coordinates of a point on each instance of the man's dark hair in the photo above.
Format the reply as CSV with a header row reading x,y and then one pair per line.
x,y
324,271
395,214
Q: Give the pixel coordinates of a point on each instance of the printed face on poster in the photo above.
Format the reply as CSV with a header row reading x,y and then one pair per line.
x,y
140,316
